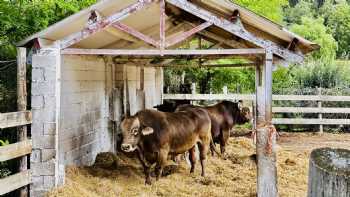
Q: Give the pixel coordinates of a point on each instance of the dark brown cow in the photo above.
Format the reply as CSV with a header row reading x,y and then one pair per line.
x,y
223,116
156,134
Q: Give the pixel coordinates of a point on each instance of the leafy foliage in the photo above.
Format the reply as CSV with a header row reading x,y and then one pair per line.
x,y
339,24
314,30
271,9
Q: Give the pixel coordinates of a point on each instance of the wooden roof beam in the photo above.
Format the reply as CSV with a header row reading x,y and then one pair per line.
x,y
179,38
135,33
102,24
167,52
238,30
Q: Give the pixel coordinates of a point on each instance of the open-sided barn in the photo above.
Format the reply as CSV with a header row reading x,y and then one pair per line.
x,y
94,66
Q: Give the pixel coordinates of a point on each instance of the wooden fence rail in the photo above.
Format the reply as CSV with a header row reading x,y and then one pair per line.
x,y
14,182
15,119
282,121
251,97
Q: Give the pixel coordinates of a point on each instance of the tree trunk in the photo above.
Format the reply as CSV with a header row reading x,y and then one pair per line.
x,y
329,173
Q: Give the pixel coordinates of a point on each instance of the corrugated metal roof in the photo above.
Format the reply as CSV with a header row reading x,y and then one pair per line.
x,y
147,21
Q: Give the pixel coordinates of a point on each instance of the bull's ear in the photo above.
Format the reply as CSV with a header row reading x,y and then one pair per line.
x,y
147,131
240,105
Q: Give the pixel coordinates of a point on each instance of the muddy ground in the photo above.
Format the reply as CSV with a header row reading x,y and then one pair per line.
x,y
235,176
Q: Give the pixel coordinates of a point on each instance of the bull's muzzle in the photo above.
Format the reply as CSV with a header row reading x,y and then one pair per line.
x,y
127,147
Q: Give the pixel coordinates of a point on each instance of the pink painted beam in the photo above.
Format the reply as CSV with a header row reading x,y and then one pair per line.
x,y
135,33
102,24
179,38
162,26
166,52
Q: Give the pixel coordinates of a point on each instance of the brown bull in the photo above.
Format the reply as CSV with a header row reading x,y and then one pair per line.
x,y
155,135
223,116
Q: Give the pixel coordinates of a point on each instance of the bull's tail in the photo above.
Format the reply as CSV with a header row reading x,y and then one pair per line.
x,y
213,148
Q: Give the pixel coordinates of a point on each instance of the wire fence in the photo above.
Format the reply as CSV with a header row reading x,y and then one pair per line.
x,y
8,86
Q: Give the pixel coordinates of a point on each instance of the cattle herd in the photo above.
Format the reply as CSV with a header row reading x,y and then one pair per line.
x,y
156,135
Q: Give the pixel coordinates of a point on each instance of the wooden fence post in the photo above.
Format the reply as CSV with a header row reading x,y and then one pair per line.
x,y
320,107
266,137
22,106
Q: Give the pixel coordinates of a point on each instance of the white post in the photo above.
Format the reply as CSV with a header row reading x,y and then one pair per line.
x,y
320,107
225,90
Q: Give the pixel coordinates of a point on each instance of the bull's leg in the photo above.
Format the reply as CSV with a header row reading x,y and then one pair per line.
x,y
203,151
192,157
225,134
146,169
162,159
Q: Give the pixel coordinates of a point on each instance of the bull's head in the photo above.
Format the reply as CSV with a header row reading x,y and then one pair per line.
x,y
132,132
245,114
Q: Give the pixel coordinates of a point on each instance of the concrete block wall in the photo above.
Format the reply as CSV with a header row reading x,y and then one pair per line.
x,y
43,161
84,130
71,110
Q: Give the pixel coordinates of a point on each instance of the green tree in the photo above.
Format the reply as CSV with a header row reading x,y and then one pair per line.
x,y
314,30
271,9
294,14
339,23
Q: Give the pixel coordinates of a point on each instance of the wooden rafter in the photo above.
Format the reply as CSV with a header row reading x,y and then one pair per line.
x,y
102,24
237,29
179,38
162,26
135,33
170,53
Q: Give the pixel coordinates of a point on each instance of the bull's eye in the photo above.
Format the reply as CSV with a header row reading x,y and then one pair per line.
x,y
135,131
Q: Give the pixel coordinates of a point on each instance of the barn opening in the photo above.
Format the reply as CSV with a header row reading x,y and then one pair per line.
x,y
91,68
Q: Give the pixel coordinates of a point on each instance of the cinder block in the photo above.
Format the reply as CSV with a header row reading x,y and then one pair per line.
x,y
37,75
37,127
45,60
37,192
77,154
37,102
43,168
48,154
77,142
35,157
44,115
50,128
49,182
44,142
49,75
43,88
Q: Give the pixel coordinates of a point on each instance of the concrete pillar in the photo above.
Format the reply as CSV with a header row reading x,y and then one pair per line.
x,y
45,107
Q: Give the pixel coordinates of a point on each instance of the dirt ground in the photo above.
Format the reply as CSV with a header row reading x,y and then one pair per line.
x,y
235,176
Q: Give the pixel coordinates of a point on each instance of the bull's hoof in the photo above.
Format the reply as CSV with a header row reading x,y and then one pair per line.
x,y
148,182
192,171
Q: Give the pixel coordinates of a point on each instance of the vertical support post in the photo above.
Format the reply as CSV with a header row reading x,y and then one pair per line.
x,y
193,88
162,26
47,164
22,106
320,107
266,137
268,86
193,91
225,90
